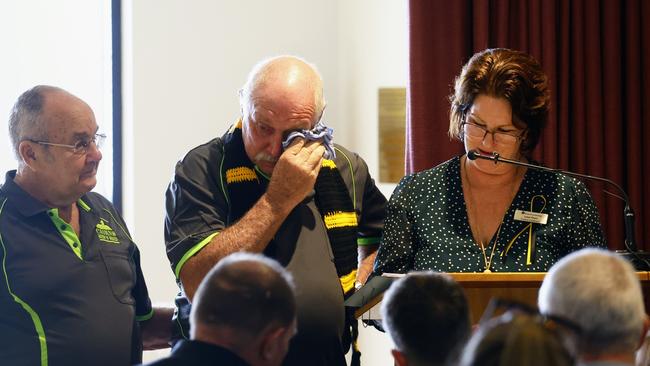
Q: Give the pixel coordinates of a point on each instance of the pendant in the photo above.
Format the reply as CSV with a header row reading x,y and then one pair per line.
x,y
487,270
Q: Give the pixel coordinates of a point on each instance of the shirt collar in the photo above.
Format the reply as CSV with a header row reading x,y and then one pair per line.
x,y
199,350
25,203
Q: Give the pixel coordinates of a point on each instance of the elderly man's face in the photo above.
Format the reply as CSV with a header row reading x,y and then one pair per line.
x,y
68,174
271,115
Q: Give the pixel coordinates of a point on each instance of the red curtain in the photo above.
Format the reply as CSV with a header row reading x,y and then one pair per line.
x,y
597,57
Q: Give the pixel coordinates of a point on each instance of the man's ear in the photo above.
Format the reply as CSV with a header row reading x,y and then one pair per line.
x,y
242,103
272,344
27,153
321,113
400,358
644,334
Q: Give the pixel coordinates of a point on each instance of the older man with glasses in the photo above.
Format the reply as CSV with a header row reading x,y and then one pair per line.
x,y
71,287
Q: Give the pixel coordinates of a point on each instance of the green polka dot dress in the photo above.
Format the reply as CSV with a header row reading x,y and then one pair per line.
x,y
426,226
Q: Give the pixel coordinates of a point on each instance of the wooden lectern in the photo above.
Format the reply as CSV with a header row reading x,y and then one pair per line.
x,y
479,288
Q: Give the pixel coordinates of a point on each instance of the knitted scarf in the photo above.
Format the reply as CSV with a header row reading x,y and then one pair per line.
x,y
245,184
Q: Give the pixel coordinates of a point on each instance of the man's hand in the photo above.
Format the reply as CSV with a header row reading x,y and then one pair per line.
x,y
367,254
295,173
157,331
293,178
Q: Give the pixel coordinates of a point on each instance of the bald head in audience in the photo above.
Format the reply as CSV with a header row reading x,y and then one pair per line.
x,y
601,293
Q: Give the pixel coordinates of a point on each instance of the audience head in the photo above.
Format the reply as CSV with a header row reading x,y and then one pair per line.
x,y
427,317
601,293
54,136
246,304
515,339
510,75
281,94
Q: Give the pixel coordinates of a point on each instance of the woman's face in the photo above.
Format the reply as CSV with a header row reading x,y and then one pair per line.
x,y
493,115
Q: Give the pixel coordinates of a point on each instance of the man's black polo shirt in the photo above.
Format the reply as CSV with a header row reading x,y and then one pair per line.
x,y
68,300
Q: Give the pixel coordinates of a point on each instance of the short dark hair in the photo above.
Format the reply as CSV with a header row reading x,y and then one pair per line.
x,y
427,317
245,292
509,74
516,339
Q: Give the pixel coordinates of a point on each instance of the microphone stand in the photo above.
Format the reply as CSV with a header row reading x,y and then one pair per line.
x,y
630,243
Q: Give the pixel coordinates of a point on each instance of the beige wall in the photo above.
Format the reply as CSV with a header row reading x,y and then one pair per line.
x,y
65,43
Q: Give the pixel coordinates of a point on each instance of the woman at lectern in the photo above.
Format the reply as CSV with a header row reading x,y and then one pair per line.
x,y
480,216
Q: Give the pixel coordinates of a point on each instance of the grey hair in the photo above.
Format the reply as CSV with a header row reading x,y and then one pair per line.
x,y
25,119
601,293
258,75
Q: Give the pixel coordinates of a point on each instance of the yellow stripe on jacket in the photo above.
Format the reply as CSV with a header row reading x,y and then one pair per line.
x,y
347,281
240,174
340,219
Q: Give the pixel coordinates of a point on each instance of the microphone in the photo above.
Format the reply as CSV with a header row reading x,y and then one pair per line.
x,y
630,243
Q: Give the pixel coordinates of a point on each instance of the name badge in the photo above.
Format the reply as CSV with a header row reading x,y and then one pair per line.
x,y
530,216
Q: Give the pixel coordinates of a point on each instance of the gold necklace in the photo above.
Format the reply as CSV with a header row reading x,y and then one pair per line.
x,y
487,262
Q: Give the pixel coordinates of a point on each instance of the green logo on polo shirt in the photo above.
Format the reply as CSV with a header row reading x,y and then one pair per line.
x,y
105,233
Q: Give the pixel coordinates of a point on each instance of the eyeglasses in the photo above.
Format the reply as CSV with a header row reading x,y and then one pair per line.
x,y
498,306
80,147
476,130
